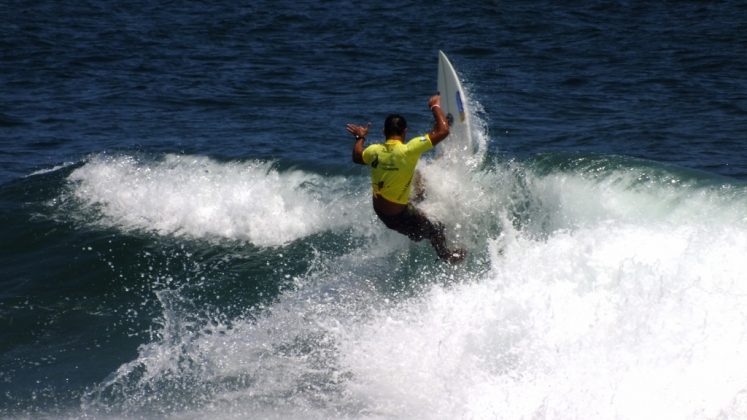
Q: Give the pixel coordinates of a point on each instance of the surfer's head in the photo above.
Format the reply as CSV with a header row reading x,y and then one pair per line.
x,y
395,125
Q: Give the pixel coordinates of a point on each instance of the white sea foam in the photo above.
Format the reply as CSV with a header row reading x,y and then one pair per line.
x,y
607,295
631,306
199,197
566,200
627,312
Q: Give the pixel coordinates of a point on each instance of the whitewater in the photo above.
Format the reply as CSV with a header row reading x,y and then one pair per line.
x,y
597,287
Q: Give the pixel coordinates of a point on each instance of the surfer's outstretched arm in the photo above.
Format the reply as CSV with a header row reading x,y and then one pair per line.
x,y
441,126
360,133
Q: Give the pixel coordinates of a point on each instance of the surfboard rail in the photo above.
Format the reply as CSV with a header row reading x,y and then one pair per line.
x,y
455,106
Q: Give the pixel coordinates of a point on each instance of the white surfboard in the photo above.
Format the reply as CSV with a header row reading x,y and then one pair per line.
x,y
454,104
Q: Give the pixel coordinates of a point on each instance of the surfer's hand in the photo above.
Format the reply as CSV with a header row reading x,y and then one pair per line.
x,y
360,136
434,100
358,130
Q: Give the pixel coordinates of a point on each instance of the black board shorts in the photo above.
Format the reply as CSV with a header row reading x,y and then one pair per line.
x,y
412,223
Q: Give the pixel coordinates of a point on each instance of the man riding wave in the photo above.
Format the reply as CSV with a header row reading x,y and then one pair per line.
x,y
393,166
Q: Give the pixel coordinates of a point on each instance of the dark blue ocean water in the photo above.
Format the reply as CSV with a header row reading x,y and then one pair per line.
x,y
184,235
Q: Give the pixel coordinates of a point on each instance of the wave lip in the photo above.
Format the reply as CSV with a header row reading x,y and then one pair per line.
x,y
199,197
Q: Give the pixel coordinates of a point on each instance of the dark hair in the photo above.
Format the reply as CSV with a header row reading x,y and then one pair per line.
x,y
394,125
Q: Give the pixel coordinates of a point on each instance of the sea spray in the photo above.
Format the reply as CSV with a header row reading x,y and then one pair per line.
x,y
198,197
609,288
587,314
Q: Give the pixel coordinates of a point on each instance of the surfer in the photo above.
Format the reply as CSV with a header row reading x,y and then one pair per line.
x,y
392,170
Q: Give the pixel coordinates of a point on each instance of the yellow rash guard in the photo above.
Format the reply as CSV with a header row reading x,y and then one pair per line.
x,y
393,165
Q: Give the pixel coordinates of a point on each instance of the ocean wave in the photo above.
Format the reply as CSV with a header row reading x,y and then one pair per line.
x,y
199,197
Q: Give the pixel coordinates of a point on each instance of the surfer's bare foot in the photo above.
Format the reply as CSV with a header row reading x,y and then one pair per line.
x,y
454,256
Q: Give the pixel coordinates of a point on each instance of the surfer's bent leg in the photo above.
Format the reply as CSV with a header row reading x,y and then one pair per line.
x,y
415,225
